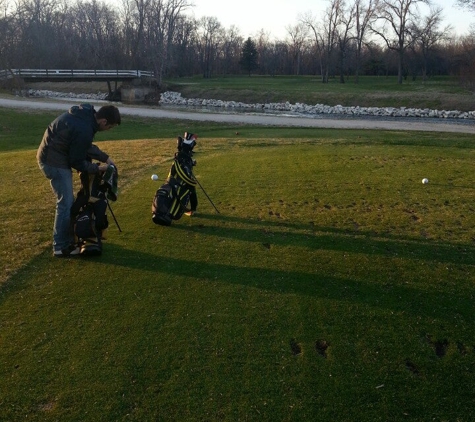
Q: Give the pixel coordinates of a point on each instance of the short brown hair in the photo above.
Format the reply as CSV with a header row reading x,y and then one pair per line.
x,y
110,113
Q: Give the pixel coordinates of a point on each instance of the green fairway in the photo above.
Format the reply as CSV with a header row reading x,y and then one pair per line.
x,y
331,286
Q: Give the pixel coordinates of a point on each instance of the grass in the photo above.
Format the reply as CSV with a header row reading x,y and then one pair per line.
x,y
443,93
332,285
438,92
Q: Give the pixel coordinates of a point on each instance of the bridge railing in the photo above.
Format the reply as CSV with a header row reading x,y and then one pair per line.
x,y
74,73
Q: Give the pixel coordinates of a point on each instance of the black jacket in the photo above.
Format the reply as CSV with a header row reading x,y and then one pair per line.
x,y
67,142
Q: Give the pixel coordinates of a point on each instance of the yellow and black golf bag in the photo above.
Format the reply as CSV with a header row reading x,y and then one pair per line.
x,y
172,198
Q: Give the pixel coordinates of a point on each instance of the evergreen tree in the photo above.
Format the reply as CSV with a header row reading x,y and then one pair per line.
x,y
249,56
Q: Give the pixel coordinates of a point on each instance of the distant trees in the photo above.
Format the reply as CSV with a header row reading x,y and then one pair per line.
x,y
351,38
396,18
210,36
325,35
466,3
249,56
364,16
156,22
7,31
298,36
427,34
344,35
466,51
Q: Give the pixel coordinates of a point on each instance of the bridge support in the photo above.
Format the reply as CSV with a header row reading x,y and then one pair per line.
x,y
135,94
113,95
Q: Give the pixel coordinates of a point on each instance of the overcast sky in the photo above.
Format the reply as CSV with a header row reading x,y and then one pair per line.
x,y
250,16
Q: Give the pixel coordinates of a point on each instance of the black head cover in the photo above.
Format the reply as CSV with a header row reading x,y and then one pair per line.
x,y
188,143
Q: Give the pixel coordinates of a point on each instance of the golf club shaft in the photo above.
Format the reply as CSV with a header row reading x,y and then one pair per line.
x,y
209,199
113,216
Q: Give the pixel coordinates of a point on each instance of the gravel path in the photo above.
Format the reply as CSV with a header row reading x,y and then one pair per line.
x,y
412,124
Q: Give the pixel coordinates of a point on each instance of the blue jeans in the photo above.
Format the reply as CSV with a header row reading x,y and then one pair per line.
x,y
61,181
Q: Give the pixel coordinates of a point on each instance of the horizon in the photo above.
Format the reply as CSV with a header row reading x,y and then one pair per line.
x,y
250,24
285,13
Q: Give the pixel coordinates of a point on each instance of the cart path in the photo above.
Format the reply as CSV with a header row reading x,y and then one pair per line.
x,y
437,125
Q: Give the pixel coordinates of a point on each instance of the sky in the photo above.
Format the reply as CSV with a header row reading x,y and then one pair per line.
x,y
250,16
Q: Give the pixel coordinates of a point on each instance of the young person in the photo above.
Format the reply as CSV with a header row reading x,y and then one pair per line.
x,y
66,145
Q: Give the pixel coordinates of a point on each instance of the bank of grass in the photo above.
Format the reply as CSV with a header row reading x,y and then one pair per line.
x,y
332,285
438,92
443,93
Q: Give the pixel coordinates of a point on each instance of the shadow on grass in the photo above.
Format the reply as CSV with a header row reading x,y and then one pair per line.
x,y
330,238
450,186
392,294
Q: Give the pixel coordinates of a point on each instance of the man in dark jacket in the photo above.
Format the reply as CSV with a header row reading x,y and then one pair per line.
x,y
66,145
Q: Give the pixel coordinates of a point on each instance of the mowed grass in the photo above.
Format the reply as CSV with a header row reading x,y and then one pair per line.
x,y
332,285
440,92
437,92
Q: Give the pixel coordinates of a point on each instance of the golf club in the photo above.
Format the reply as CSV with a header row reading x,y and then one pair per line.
x,y
209,199
113,216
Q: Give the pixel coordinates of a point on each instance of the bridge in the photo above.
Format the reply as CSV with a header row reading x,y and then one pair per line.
x,y
68,75
78,75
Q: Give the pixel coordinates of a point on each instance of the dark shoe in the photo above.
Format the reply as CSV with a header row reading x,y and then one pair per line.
x,y
71,250
91,249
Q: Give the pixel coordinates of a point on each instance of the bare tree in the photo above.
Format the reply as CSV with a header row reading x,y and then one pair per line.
x,y
427,35
35,22
211,32
325,35
5,6
134,17
161,25
396,17
98,26
264,53
343,31
364,15
470,4
298,35
465,57
230,50
7,35
155,35
184,60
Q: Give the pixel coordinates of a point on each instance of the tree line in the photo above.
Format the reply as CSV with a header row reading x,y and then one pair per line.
x,y
405,38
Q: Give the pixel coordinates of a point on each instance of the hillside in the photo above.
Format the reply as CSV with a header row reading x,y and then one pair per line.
x,y
439,94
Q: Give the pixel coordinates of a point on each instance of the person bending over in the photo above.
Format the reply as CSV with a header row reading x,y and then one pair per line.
x,y
67,143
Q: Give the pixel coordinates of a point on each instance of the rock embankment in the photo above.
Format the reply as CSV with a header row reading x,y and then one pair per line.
x,y
175,98
171,98
44,93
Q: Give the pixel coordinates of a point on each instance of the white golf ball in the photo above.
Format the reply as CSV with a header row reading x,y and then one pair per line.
x,y
154,177
425,181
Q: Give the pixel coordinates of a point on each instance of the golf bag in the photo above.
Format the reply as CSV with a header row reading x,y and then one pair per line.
x,y
171,199
88,213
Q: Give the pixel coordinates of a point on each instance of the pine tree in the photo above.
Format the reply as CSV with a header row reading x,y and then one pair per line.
x,y
249,56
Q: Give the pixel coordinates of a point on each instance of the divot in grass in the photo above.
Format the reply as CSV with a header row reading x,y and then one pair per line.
x,y
462,348
321,347
412,367
440,346
295,347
